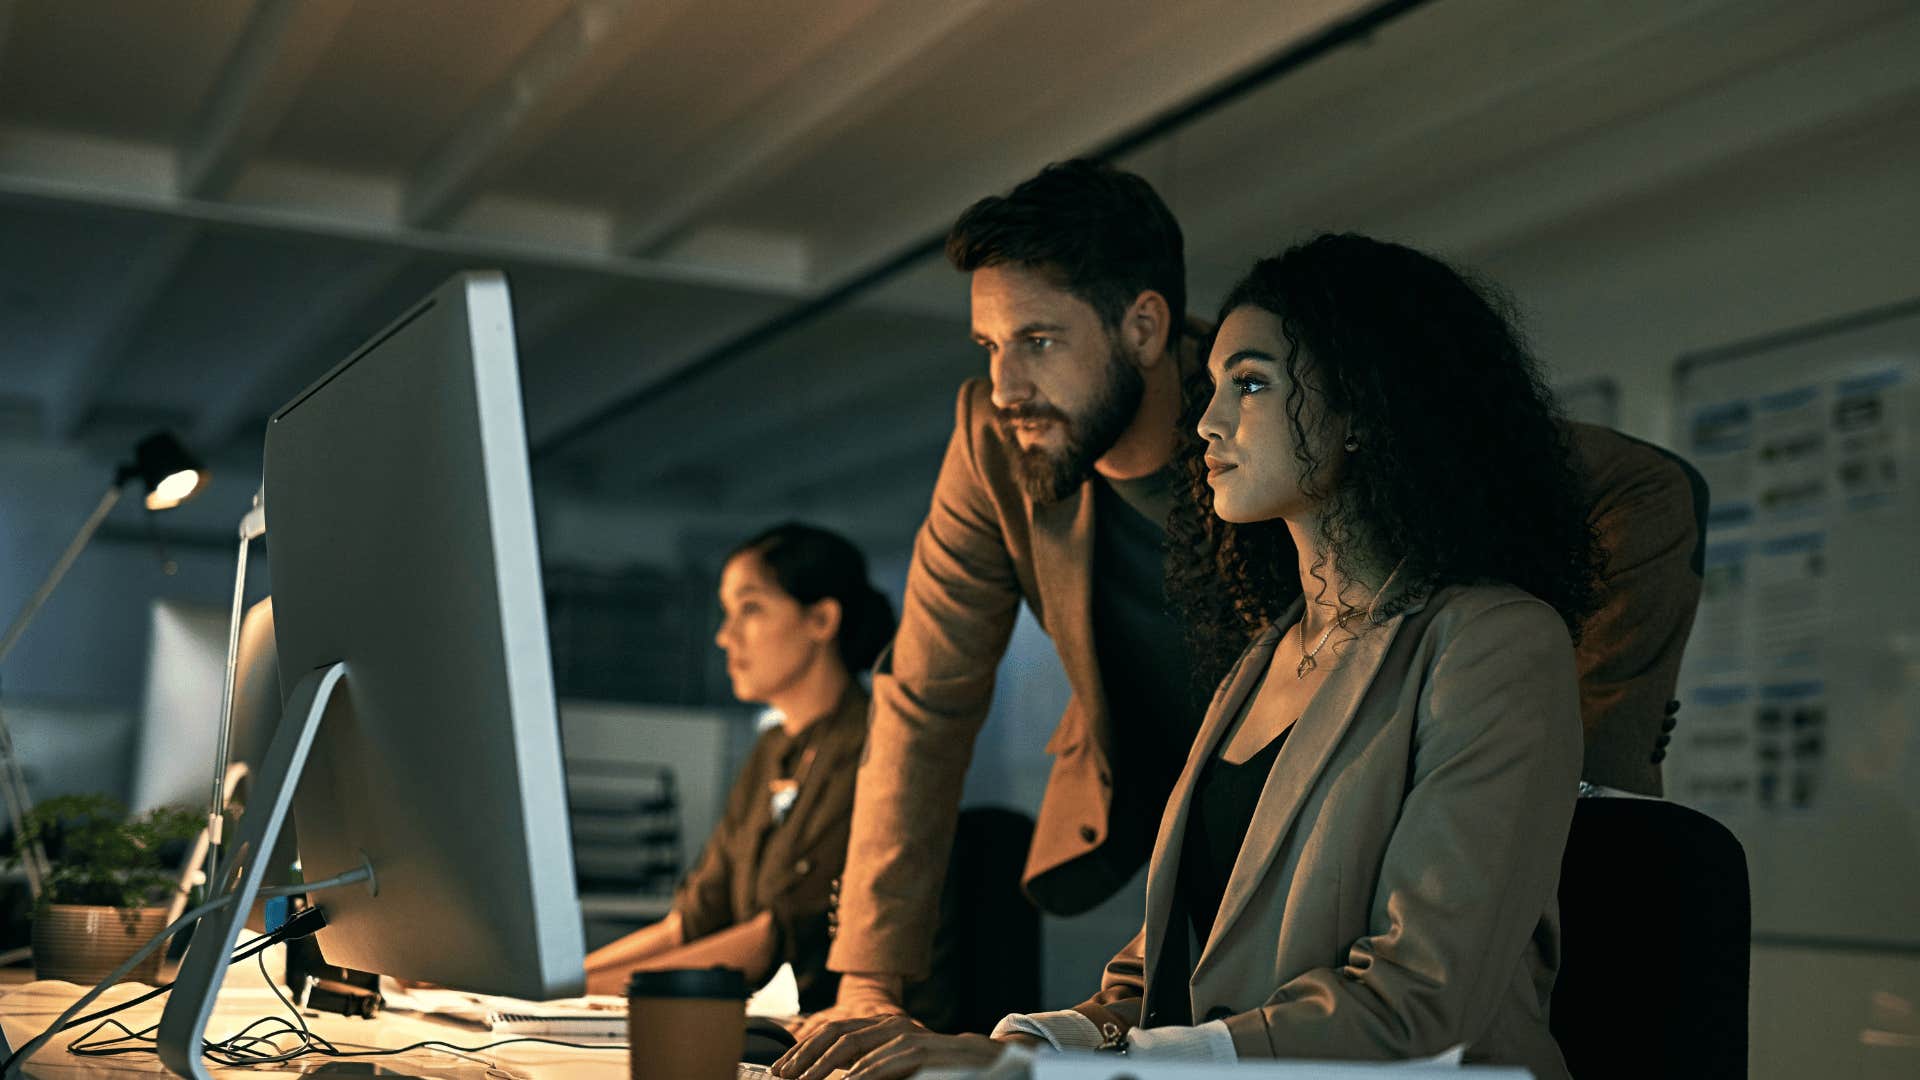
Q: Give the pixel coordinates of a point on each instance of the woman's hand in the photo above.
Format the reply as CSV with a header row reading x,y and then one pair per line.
x,y
882,1049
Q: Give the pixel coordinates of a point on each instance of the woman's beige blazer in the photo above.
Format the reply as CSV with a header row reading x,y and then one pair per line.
x,y
1395,895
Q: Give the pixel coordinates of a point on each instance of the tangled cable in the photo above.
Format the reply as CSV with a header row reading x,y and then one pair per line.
x,y
259,1043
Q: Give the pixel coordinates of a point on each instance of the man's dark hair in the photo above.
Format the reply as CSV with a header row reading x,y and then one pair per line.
x,y
1102,234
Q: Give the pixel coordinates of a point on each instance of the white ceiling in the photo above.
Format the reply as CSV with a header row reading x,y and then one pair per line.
x,y
203,205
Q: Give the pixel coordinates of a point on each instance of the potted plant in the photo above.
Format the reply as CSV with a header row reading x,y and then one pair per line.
x,y
112,876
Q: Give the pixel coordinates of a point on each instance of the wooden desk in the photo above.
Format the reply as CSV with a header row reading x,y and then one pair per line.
x,y
26,1009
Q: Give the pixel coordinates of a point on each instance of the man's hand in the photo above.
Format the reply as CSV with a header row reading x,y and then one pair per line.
x,y
861,997
883,1049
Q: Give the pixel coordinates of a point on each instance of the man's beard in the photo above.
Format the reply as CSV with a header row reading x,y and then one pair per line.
x,y
1049,476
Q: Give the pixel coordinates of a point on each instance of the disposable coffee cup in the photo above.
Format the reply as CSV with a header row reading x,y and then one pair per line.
x,y
686,1024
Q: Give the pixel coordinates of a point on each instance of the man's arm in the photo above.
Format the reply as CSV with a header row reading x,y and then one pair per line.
x,y
1647,511
930,695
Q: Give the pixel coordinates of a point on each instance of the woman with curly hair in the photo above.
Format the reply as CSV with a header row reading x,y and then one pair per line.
x,y
1386,528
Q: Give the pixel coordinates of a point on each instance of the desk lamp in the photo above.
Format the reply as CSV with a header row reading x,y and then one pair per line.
x,y
170,476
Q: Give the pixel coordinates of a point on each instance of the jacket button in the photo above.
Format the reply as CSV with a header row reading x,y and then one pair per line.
x,y
1669,723
1659,756
803,867
1673,706
1087,833
1218,1012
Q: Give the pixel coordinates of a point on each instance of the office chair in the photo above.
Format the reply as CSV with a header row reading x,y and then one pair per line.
x,y
986,947
1655,940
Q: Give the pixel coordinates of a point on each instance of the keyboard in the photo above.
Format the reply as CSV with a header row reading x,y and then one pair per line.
x,y
760,1072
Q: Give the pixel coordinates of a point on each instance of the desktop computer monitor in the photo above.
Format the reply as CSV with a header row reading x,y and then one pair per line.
x,y
419,735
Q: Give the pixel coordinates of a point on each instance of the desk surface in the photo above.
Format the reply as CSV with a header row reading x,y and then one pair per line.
x,y
26,1010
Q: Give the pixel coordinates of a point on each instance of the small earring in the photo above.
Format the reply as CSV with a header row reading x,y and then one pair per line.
x,y
1352,444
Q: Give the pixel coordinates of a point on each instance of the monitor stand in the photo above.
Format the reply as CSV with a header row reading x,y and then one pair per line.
x,y
183,1025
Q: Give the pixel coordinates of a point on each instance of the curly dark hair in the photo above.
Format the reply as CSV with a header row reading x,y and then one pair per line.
x,y
1463,468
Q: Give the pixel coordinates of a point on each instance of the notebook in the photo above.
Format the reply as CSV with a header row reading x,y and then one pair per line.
x,y
560,1022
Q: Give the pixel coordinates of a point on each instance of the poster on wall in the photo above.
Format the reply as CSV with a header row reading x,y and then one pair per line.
x,y
1800,719
1868,445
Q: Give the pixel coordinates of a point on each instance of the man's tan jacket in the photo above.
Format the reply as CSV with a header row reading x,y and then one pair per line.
x,y
1395,894
985,546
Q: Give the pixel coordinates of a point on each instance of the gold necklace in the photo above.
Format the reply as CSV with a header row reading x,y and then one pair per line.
x,y
1307,662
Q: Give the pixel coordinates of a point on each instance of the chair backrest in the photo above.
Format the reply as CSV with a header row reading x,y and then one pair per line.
x,y
986,950
1656,942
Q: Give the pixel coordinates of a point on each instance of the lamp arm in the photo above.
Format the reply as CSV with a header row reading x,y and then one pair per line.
x,y
17,798
60,568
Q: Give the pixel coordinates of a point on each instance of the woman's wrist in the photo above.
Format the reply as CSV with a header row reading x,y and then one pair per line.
x,y
1021,1038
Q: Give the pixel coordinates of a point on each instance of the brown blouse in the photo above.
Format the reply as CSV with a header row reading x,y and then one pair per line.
x,y
753,863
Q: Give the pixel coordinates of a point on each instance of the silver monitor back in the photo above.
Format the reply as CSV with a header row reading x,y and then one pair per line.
x,y
402,542
257,693
179,706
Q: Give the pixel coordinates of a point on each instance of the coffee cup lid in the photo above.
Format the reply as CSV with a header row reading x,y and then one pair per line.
x,y
713,982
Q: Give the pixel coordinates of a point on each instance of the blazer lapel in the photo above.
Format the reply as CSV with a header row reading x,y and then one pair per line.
x,y
1063,569
1304,756
1163,873
836,752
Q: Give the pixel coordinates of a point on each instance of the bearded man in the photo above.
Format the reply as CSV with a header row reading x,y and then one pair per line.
x,y
1055,490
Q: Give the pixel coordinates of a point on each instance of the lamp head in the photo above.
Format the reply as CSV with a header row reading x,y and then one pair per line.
x,y
170,474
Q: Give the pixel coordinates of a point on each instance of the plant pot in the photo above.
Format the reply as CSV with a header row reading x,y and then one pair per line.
x,y
83,943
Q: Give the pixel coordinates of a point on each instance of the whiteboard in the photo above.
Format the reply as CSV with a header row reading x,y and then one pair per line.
x,y
1800,718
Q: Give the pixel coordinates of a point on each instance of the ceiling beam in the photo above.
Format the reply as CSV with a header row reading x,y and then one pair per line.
x,y
344,297
821,98
282,43
40,167
121,304
560,71
1774,104
1332,177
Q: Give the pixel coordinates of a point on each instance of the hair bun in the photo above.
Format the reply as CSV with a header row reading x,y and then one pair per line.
x,y
813,564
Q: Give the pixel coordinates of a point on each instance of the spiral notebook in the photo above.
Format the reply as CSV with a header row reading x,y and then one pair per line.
x,y
560,1021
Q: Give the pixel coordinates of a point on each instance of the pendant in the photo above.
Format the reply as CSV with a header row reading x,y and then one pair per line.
x,y
1306,665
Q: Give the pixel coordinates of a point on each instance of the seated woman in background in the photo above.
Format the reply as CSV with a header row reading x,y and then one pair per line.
x,y
800,622
1361,857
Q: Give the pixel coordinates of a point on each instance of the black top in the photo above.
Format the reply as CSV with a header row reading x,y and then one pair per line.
x,y
1146,669
1224,797
1223,801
